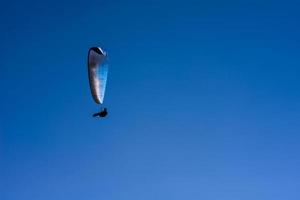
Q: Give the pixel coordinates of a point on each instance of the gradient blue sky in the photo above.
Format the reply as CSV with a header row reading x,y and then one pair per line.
x,y
203,99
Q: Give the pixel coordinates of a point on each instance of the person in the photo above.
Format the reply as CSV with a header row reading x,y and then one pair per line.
x,y
102,113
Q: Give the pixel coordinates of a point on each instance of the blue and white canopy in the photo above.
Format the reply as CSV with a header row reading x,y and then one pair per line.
x,y
97,69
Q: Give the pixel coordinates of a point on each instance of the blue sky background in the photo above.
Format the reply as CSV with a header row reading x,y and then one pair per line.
x,y
203,100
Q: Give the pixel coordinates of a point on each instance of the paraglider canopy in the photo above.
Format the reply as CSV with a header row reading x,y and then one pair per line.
x,y
97,71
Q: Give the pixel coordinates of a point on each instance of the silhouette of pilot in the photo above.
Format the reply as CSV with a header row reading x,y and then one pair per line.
x,y
103,113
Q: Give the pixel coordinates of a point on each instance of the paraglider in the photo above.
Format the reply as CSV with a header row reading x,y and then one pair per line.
x,y
97,72
103,113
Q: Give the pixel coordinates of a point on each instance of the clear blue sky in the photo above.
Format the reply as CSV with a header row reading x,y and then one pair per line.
x,y
203,100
